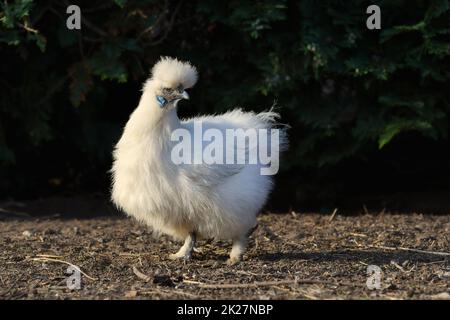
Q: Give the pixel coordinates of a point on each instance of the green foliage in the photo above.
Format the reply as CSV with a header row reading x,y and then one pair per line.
x,y
121,3
344,89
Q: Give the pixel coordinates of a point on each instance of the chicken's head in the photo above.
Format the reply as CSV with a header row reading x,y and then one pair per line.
x,y
170,79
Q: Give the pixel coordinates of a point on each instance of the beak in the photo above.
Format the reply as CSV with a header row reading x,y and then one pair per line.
x,y
185,95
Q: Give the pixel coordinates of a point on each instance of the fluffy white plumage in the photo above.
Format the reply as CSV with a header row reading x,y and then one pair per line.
x,y
185,201
172,72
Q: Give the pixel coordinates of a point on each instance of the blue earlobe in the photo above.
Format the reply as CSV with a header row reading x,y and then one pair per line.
x,y
161,101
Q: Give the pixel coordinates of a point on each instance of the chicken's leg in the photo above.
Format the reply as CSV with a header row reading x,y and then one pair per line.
x,y
238,249
185,251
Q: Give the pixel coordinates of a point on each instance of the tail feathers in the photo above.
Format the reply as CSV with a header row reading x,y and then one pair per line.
x,y
271,119
263,120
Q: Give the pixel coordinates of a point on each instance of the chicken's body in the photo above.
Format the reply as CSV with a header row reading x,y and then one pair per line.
x,y
184,200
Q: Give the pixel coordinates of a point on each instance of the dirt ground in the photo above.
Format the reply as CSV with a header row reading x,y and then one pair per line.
x,y
291,256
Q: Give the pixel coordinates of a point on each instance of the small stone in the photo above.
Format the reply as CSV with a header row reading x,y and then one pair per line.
x,y
27,234
131,294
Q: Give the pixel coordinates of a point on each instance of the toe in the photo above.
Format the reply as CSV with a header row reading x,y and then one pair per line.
x,y
233,261
175,256
198,250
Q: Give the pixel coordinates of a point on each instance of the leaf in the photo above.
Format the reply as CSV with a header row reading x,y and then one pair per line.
x,y
436,9
395,101
120,3
394,128
81,83
41,41
15,11
22,8
392,32
439,49
8,16
10,37
106,63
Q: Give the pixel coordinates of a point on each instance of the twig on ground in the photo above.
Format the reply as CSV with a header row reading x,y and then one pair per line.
x,y
140,275
333,214
399,267
167,293
47,259
435,262
48,256
247,273
257,284
191,281
136,255
438,253
358,235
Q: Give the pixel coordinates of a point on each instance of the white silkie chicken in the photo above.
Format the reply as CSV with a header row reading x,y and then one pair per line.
x,y
186,201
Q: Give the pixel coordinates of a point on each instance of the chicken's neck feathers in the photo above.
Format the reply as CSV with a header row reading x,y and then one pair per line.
x,y
148,119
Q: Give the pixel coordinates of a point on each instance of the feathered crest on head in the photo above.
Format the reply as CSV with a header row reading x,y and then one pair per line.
x,y
173,72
